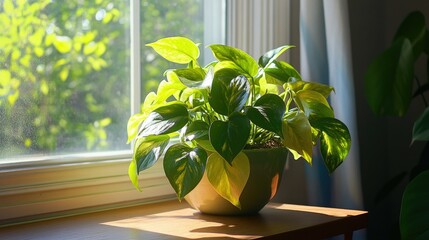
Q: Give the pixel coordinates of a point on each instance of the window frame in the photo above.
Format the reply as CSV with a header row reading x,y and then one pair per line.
x,y
49,187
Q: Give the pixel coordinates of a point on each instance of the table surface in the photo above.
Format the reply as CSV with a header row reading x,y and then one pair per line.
x,y
174,220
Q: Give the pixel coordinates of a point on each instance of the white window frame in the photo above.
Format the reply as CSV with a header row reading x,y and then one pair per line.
x,y
49,187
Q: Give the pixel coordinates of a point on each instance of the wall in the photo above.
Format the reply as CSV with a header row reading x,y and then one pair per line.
x,y
384,141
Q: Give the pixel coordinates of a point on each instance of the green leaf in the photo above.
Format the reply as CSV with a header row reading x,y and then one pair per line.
x,y
147,151
265,87
414,217
236,59
184,167
230,137
279,72
229,95
197,130
335,141
272,55
421,127
313,104
133,175
193,77
389,80
164,120
297,85
176,49
267,113
168,89
133,125
413,27
297,135
228,179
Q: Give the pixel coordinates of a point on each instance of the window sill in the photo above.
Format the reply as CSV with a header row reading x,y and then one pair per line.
x,y
32,191
173,220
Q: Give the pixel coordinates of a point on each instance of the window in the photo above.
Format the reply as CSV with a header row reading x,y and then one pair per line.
x,y
71,74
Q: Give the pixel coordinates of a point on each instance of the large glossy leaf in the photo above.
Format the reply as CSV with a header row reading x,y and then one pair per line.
x,y
414,218
297,85
279,72
272,55
413,27
389,80
184,167
267,113
235,58
230,137
335,141
297,135
313,104
228,179
176,49
265,87
191,77
229,95
421,127
147,151
164,120
167,89
198,131
133,125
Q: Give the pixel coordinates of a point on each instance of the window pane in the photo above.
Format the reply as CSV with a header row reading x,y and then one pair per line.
x,y
166,18
64,76
65,70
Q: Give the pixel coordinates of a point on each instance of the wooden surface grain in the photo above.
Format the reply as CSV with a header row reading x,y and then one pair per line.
x,y
173,220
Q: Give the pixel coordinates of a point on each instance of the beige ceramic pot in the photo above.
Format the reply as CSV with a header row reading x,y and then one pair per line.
x,y
266,168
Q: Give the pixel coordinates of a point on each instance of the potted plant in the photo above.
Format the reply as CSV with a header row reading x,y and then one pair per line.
x,y
227,121
389,83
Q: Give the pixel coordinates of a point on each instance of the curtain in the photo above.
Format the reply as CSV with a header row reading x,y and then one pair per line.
x,y
326,58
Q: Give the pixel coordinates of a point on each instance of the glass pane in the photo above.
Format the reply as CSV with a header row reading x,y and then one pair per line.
x,y
65,70
64,76
166,18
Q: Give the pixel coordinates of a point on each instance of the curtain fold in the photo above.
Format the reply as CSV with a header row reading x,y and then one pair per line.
x,y
326,58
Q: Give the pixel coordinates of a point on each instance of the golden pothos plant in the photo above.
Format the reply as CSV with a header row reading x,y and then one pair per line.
x,y
218,110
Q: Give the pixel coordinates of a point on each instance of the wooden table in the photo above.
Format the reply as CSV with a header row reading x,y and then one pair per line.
x,y
173,220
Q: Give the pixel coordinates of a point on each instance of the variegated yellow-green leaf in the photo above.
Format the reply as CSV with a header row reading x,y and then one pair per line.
x,y
313,104
335,141
235,58
227,179
298,85
297,135
176,49
133,125
184,167
279,72
164,120
265,87
147,151
133,175
272,55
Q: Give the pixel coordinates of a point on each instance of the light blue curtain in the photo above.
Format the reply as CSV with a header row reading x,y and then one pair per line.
x,y
326,57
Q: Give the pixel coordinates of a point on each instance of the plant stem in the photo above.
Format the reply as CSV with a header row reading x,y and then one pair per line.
x,y
421,94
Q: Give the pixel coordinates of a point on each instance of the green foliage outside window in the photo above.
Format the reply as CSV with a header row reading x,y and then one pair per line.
x,y
64,70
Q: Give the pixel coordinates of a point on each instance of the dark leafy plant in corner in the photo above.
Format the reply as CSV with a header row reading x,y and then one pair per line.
x,y
389,83
234,103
